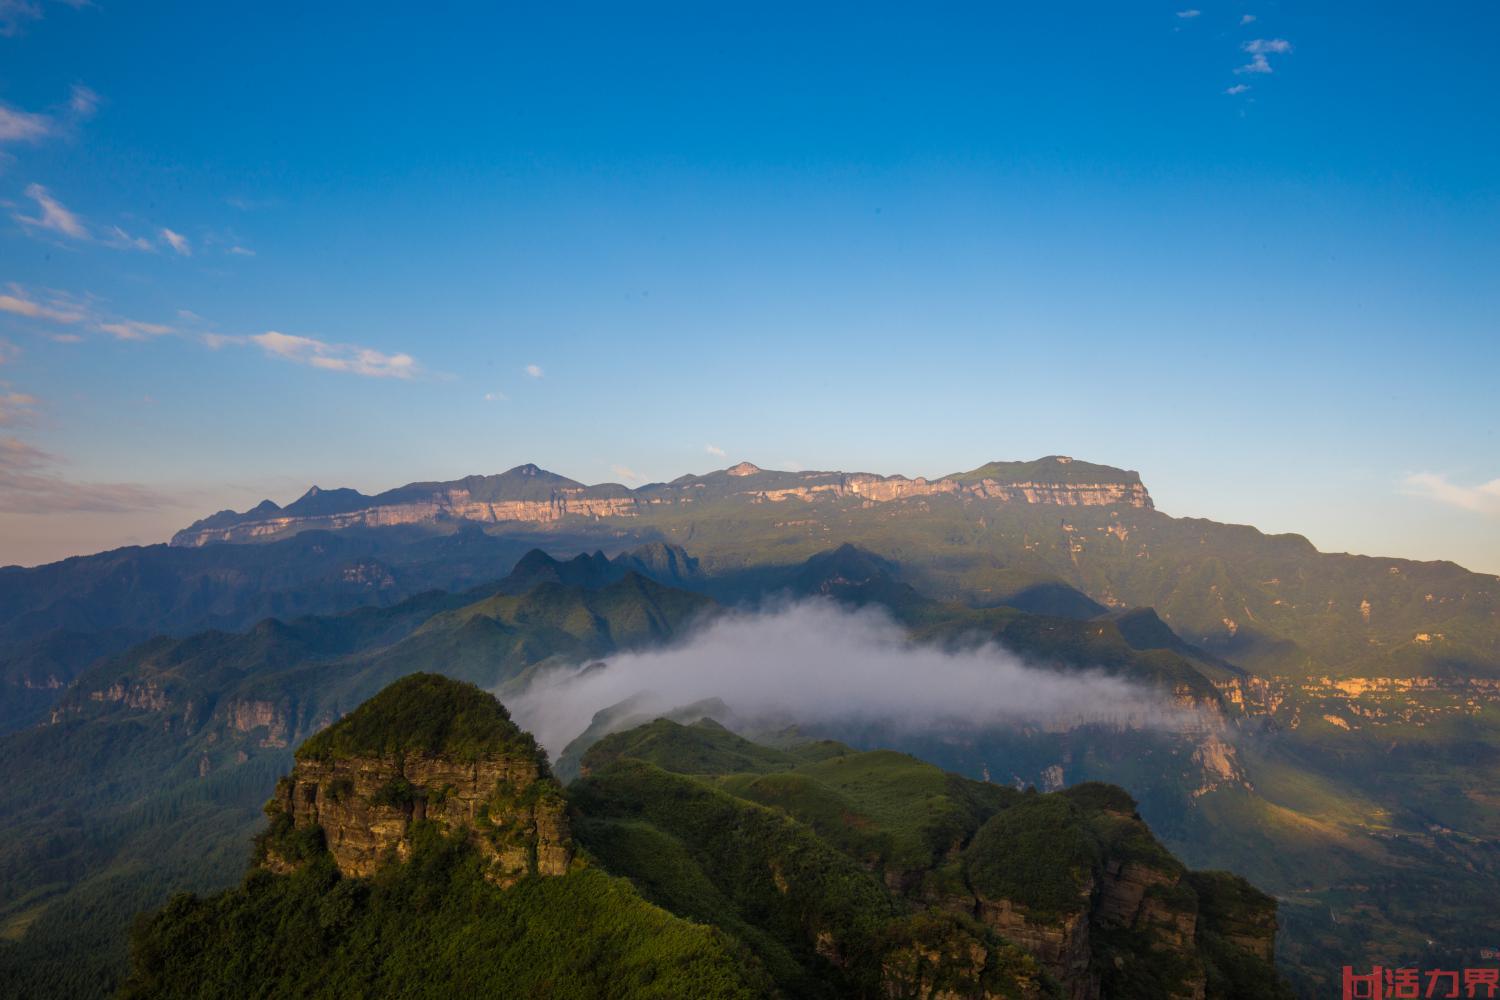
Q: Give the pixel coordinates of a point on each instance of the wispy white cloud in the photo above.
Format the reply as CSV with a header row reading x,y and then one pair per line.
x,y
1247,19
121,240
24,126
177,242
51,215
80,314
714,450
626,473
336,357
1259,49
15,14
535,371
20,303
310,351
134,330
1238,88
246,204
1484,498
29,485
83,102
17,125
495,397
1188,14
240,251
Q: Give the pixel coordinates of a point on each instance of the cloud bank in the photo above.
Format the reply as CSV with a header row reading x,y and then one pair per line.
x,y
816,662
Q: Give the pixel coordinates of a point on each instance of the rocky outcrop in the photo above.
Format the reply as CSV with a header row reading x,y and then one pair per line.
x,y
426,754
454,504
246,715
1059,944
528,495
511,812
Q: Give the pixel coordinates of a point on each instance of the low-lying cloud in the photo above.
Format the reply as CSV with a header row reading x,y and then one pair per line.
x,y
817,662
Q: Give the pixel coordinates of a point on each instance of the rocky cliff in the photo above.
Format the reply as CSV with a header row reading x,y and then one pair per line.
x,y
530,495
427,752
1078,880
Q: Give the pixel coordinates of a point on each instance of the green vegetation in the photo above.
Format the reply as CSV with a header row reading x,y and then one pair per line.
x,y
1051,469
1381,839
910,827
432,927
705,747
1039,854
119,805
819,872
421,714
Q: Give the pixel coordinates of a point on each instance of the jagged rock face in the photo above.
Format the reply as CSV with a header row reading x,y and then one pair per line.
x,y
245,715
456,501
1156,902
455,504
906,973
504,805
1061,945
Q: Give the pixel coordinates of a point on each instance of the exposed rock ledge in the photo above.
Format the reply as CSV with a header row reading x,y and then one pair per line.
x,y
507,808
545,499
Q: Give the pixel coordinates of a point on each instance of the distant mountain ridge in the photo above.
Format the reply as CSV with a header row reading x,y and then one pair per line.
x,y
532,495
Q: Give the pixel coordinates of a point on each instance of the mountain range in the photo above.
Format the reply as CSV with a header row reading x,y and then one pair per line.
x,y
151,695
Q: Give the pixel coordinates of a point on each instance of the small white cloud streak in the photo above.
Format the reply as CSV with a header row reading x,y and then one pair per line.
x,y
121,240
1188,14
1238,88
715,450
177,242
535,371
1482,499
334,357
24,126
817,663
53,215
19,304
626,473
495,397
83,102
1267,46
1247,19
134,330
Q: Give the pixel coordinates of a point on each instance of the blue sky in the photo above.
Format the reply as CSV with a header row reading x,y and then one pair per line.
x,y
1249,250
